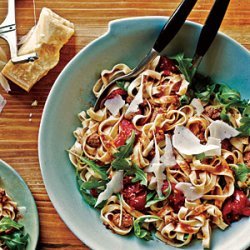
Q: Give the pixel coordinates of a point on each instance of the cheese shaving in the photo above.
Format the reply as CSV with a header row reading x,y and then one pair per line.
x,y
134,105
213,141
221,130
196,103
114,186
187,143
2,103
189,191
114,104
168,158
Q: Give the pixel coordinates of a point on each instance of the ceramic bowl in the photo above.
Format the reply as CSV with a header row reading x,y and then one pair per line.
x,y
18,190
127,41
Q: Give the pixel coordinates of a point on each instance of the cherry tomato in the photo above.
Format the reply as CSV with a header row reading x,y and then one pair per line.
x,y
176,199
134,194
235,207
126,127
167,65
116,92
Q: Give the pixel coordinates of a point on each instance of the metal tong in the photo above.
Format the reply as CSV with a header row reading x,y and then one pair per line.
x,y
8,33
169,31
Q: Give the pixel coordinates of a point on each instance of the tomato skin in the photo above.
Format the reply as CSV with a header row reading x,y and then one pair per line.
x,y
116,92
235,207
176,199
167,66
126,127
134,194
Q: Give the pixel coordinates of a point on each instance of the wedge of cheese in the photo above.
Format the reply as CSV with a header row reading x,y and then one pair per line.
x,y
47,38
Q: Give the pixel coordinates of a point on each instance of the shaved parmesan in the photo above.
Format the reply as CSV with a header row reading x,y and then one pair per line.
x,y
221,130
134,105
168,158
4,83
187,143
183,87
196,103
189,191
213,141
2,103
157,168
114,104
114,186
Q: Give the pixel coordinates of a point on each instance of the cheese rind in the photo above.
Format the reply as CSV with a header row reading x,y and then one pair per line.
x,y
48,37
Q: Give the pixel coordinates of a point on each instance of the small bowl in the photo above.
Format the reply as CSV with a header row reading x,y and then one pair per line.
x,y
19,192
127,41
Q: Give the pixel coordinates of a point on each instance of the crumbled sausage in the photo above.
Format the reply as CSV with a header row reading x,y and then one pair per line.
x,y
159,135
246,158
213,113
198,130
127,220
225,144
94,141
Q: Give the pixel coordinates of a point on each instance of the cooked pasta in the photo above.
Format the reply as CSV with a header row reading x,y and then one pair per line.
x,y
163,155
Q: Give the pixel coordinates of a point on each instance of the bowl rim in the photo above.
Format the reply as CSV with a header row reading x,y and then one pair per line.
x,y
110,26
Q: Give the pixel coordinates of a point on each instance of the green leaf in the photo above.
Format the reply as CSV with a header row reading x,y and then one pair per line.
x,y
200,156
227,95
121,84
140,175
7,223
184,100
245,121
241,171
93,184
154,199
126,150
95,167
185,66
15,241
121,164
141,232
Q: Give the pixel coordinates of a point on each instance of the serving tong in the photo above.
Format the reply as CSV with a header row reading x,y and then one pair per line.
x,y
8,33
169,31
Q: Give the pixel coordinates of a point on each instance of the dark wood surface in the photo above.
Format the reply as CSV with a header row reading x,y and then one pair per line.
x,y
19,131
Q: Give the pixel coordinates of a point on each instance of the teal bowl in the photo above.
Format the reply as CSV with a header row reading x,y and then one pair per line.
x,y
19,192
127,41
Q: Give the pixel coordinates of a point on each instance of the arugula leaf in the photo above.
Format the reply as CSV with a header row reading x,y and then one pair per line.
x,y
121,164
184,100
139,231
140,175
245,121
7,223
95,167
200,156
241,171
154,199
121,84
93,184
126,150
185,66
16,240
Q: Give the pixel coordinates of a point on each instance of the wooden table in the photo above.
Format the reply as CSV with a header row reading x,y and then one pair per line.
x,y
19,131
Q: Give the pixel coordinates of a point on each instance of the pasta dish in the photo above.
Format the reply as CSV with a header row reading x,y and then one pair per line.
x,y
167,154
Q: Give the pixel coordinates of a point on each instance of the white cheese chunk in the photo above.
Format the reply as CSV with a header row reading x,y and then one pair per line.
x,y
114,104
138,99
221,130
114,186
187,143
168,158
213,141
196,103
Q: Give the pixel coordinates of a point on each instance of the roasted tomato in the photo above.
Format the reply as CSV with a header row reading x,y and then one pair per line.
x,y
134,194
116,92
176,199
126,127
166,65
236,207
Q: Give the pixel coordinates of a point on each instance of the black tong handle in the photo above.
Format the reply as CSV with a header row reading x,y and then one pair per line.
x,y
174,24
211,27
